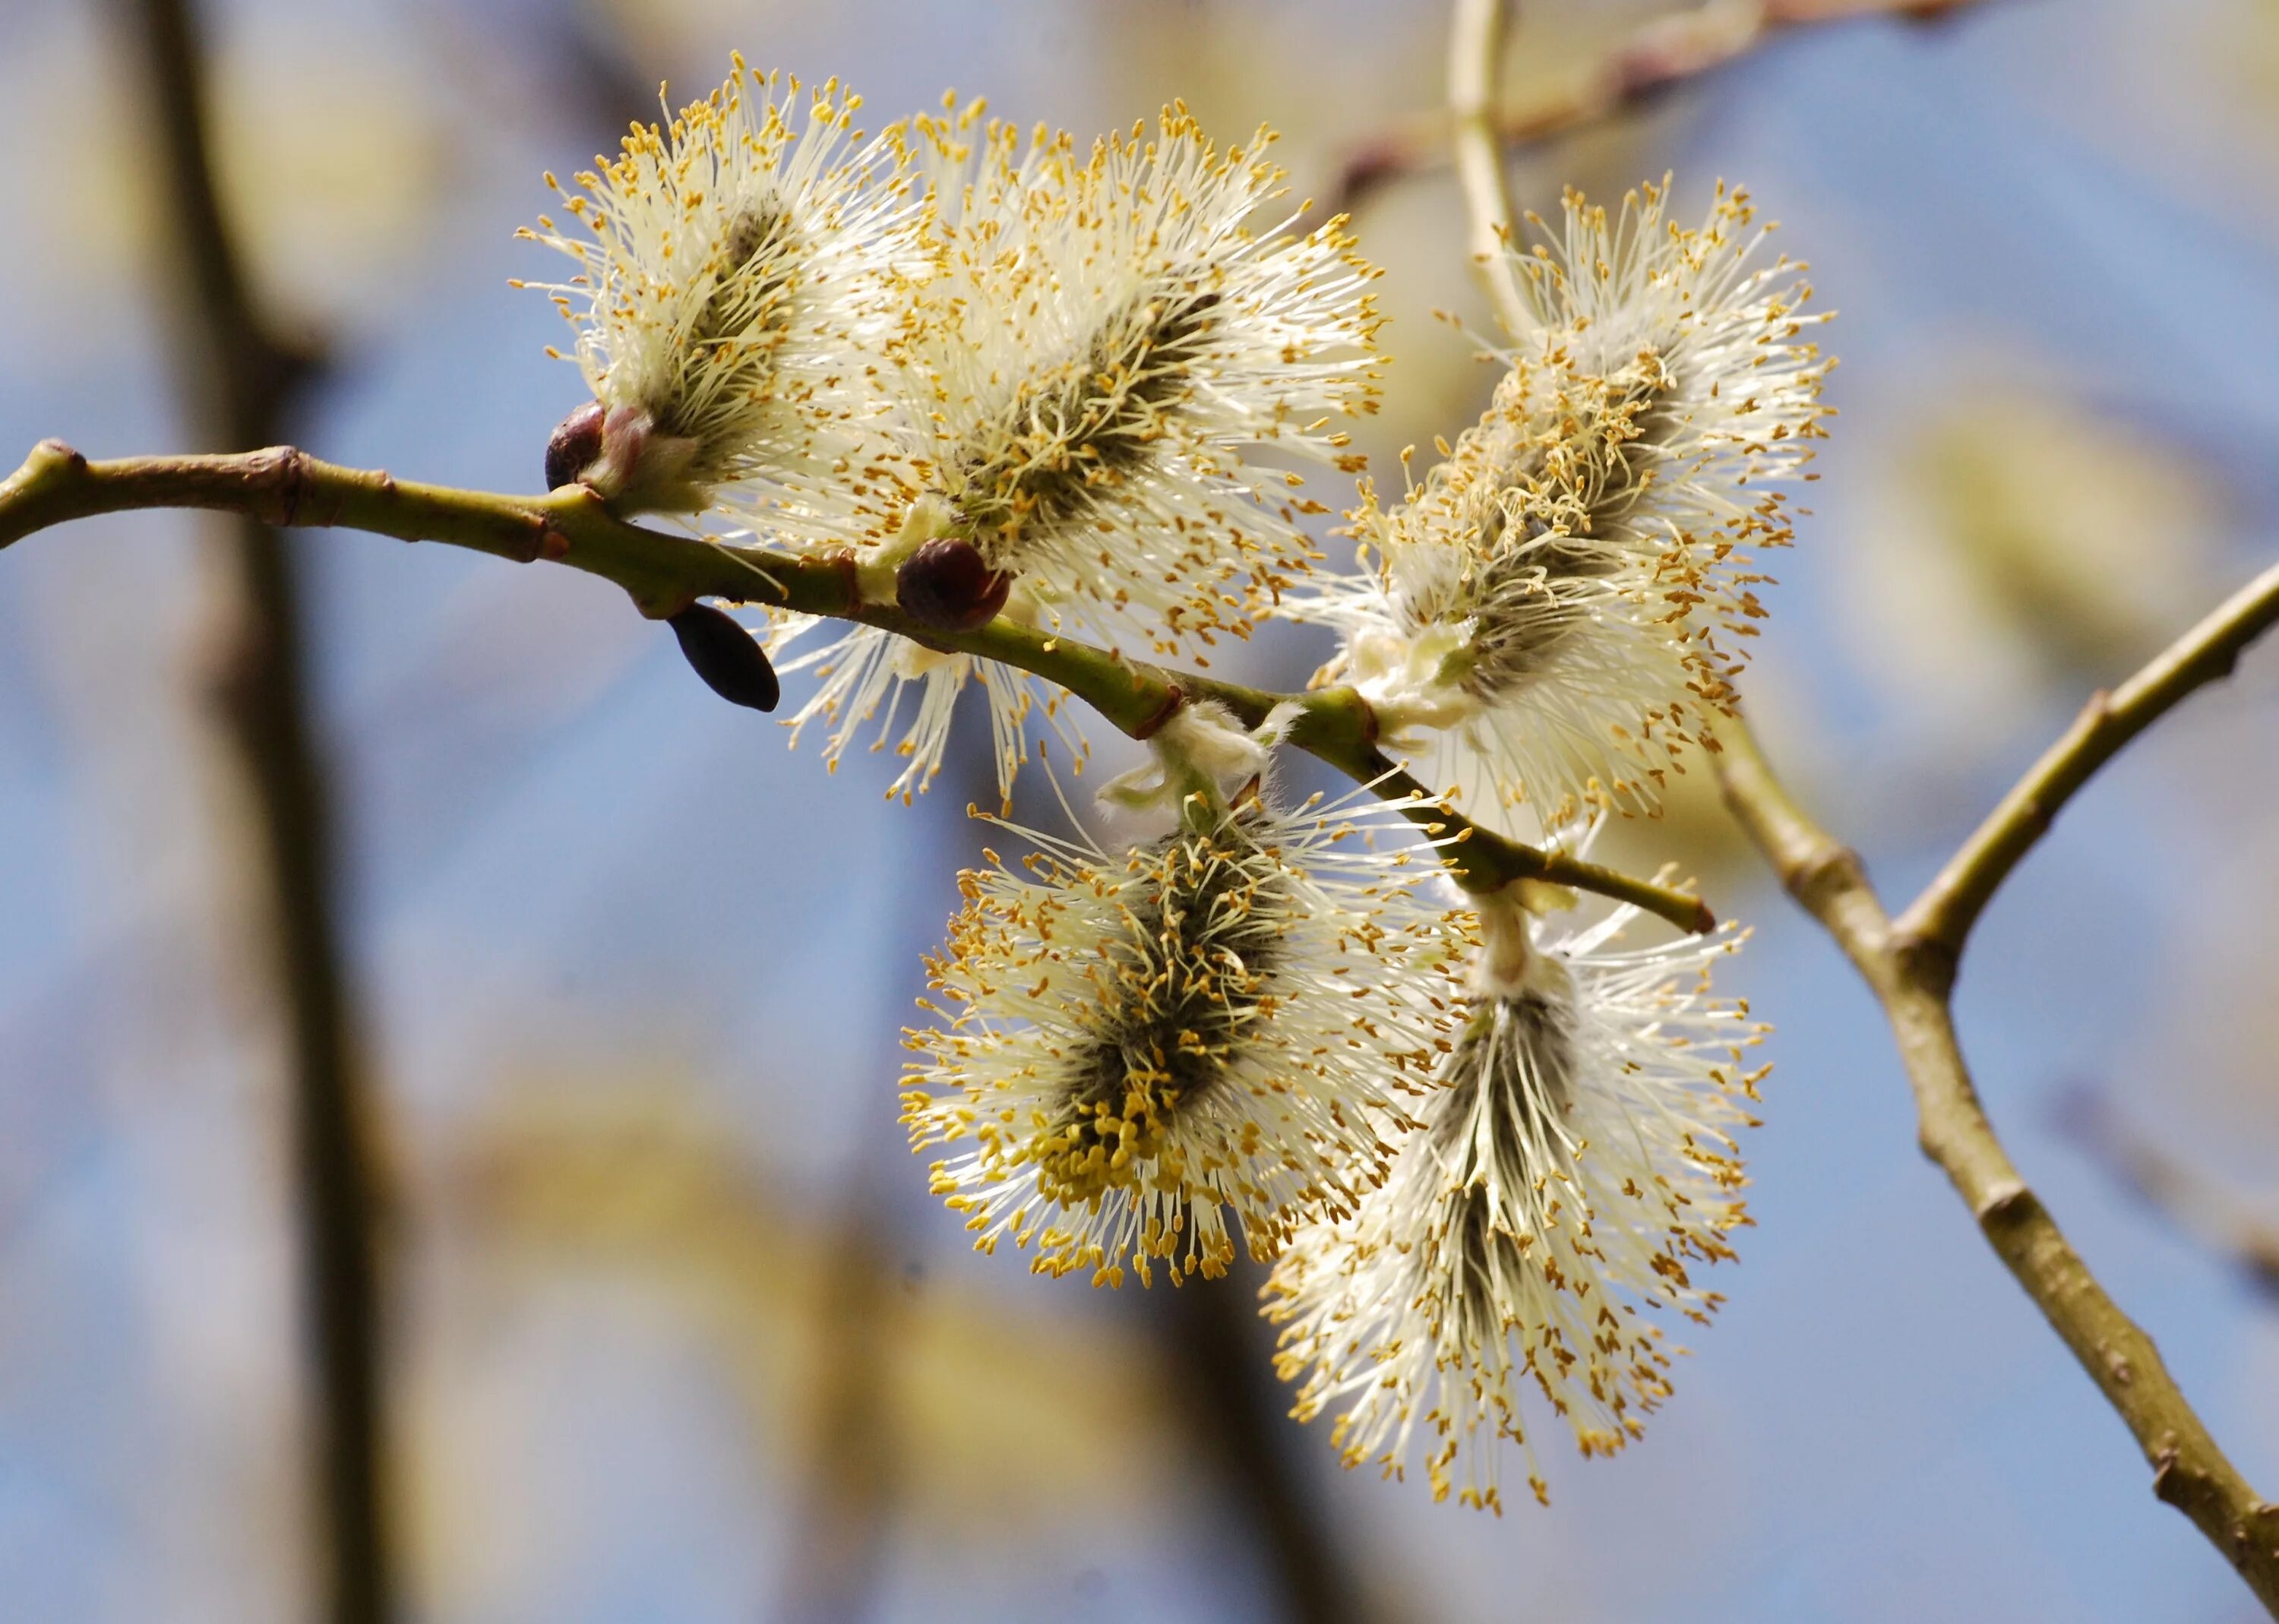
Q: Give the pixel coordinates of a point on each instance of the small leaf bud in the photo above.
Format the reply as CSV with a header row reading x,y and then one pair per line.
x,y
729,658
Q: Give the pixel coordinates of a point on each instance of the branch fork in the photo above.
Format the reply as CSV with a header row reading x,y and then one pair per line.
x,y
1910,964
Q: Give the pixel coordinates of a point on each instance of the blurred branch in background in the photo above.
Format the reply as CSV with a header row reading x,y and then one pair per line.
x,y
849,1476
1661,55
238,381
1240,1411
596,64
1238,1427
2216,1217
847,1488
1476,42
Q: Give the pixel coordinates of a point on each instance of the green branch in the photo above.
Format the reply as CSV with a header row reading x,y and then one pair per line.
x,y
666,573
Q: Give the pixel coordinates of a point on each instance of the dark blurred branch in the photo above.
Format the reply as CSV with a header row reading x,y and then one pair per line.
x,y
1661,55
593,47
1934,928
847,1487
237,376
1242,1427
238,379
2172,1187
1476,41
852,1476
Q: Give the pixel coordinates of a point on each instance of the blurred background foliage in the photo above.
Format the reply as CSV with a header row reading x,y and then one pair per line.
x,y
675,1332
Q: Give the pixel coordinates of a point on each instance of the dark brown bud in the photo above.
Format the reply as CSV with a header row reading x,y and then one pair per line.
x,y
729,658
576,442
947,585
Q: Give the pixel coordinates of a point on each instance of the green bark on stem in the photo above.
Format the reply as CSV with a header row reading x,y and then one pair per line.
x,y
665,574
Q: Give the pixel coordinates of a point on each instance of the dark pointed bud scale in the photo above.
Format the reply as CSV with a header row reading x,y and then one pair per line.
x,y
729,658
576,442
947,585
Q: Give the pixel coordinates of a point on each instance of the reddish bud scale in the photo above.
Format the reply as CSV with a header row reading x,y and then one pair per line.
x,y
575,443
948,586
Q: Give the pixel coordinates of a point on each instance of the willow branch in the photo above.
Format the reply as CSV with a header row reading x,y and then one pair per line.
x,y
1940,920
666,573
1660,55
2189,1470
1827,879
1475,38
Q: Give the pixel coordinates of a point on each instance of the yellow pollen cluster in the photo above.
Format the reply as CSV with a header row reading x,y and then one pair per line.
x,y
1568,591
1160,1056
736,278
1578,1169
998,376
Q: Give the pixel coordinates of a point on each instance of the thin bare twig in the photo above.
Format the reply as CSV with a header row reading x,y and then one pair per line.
x,y
1936,924
2172,1187
666,573
1661,55
237,379
1475,40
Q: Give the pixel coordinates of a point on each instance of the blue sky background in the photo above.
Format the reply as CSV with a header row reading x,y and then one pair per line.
x,y
631,975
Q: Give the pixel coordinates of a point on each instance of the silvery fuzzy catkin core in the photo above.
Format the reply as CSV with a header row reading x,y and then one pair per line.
x,y
1557,610
1574,1168
1100,340
737,269
1204,1039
